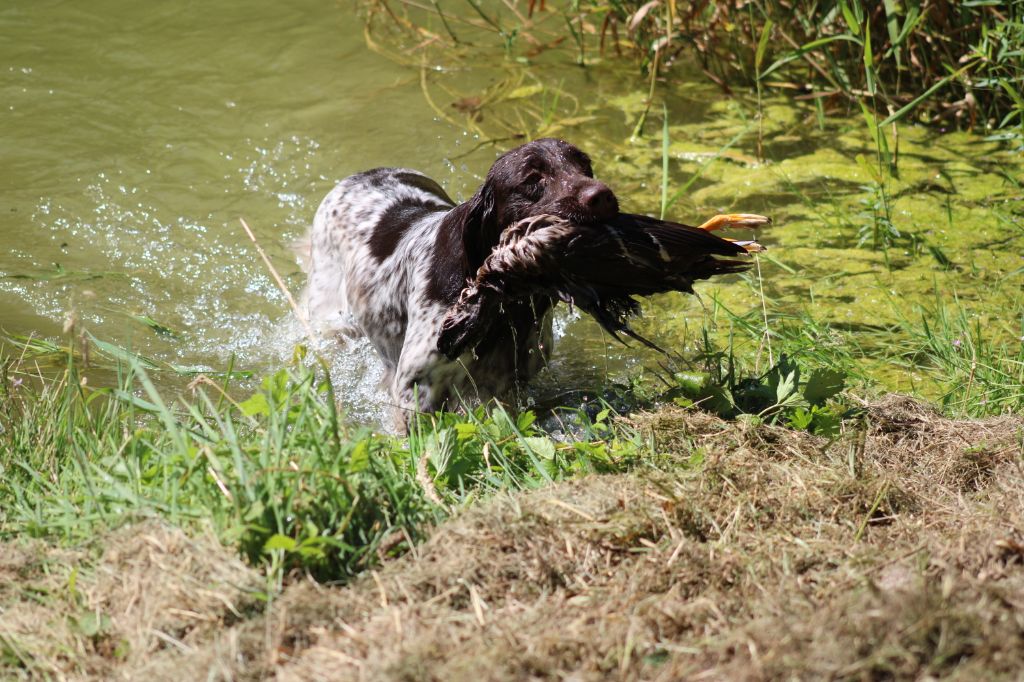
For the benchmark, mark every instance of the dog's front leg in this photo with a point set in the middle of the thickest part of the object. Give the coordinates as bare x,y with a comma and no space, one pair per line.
415,387
411,398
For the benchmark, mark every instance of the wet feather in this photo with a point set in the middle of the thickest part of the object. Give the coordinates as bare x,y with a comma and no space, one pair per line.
597,267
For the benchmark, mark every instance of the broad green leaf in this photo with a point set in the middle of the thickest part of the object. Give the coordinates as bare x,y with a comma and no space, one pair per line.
542,447
278,541
823,384
786,387
524,421
255,405
826,423
92,623
719,400
801,419
465,431
692,384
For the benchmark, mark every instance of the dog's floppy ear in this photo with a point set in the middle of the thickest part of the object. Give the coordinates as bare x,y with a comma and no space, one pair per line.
479,225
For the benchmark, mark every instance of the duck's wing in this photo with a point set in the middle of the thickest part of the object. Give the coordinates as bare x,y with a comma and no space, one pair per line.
597,267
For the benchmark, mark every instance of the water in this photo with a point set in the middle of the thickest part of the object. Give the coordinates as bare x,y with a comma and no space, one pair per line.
134,137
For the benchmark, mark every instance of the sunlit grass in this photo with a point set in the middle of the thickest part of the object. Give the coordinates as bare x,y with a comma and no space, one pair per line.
280,474
979,365
955,64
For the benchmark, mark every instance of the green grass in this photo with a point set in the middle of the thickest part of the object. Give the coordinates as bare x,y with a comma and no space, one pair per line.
279,474
94,436
971,364
981,363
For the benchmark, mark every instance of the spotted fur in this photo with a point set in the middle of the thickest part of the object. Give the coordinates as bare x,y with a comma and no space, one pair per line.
390,253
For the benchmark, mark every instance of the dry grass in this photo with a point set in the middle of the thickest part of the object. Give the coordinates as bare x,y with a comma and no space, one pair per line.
896,551
154,605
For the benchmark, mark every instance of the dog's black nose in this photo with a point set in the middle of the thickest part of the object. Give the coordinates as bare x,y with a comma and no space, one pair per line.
599,201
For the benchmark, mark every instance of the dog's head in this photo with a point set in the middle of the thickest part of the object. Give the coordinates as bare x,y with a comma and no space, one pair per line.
544,176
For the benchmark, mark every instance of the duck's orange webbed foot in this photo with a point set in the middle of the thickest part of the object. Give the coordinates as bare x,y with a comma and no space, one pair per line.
750,220
749,246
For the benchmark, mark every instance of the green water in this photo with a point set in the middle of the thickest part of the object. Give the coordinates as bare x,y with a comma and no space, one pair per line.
134,136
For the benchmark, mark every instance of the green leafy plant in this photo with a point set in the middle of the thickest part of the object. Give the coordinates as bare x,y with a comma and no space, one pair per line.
778,396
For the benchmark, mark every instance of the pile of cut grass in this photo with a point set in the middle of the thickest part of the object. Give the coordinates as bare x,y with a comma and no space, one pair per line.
766,553
132,605
752,552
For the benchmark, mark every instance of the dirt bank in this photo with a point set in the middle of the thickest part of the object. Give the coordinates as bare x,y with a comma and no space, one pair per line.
749,552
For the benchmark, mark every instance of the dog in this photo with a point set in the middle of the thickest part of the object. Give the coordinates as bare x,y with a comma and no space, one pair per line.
390,253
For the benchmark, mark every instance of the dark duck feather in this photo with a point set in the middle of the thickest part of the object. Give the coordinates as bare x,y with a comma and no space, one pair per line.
597,267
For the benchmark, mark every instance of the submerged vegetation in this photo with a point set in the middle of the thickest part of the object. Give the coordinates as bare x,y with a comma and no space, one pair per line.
955,64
